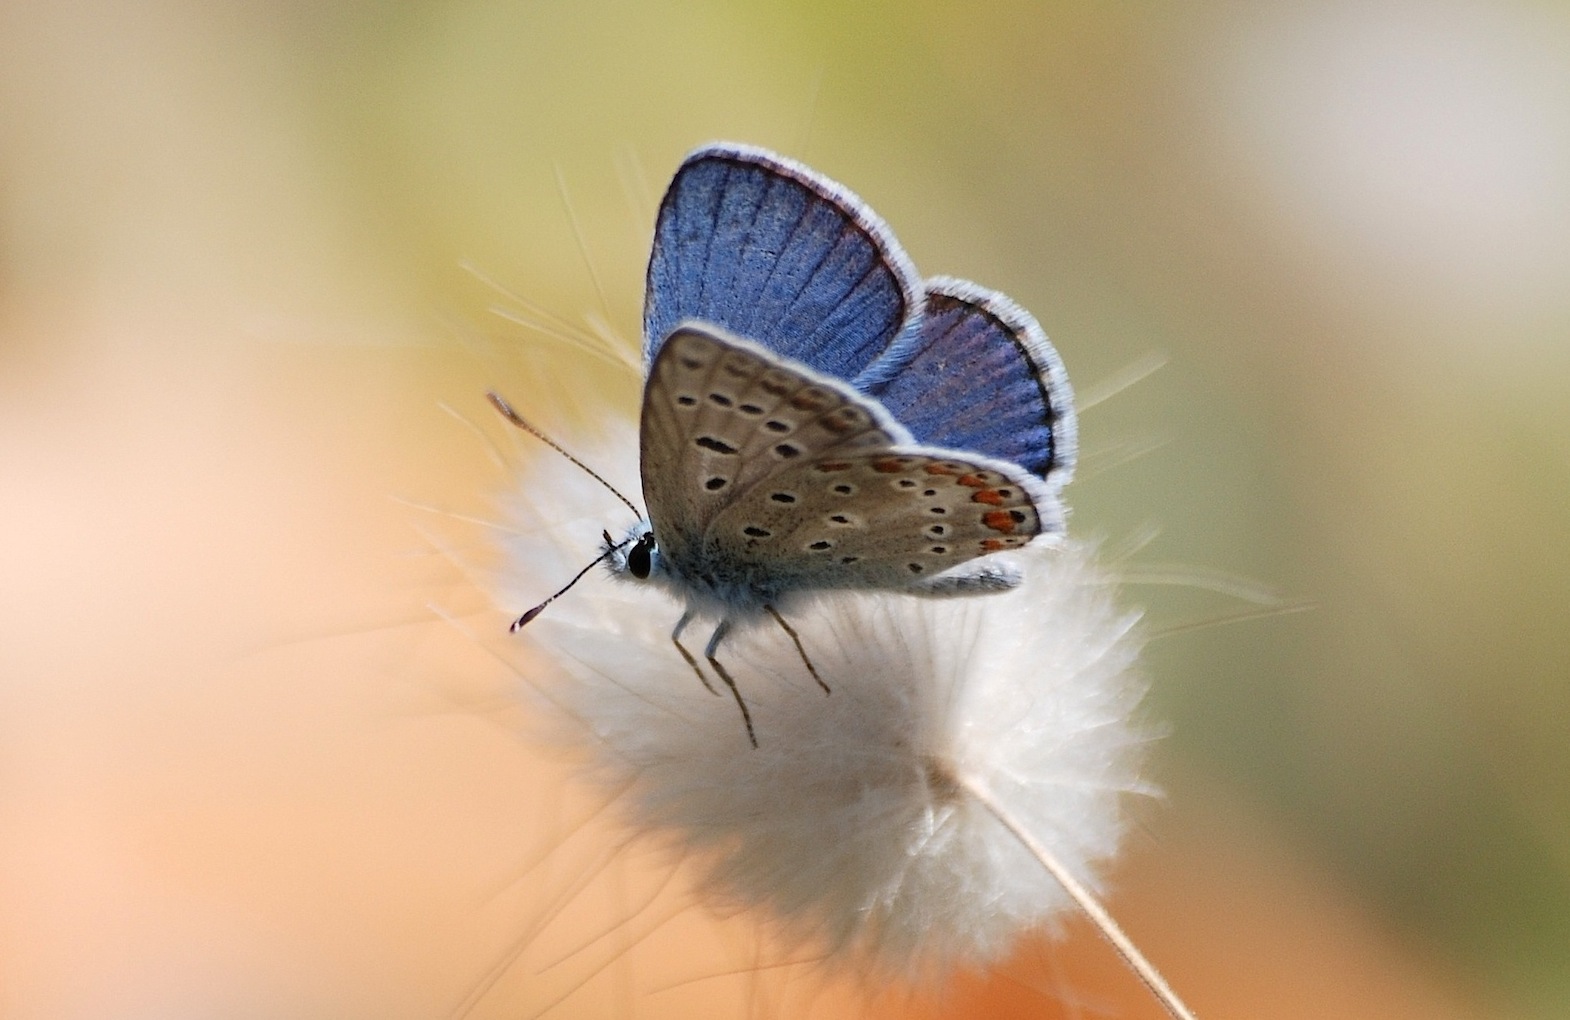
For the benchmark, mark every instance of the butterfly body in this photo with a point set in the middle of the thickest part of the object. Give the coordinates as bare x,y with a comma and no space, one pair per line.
818,417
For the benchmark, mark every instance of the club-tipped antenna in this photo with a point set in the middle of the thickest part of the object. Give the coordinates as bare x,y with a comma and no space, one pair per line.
537,610
513,416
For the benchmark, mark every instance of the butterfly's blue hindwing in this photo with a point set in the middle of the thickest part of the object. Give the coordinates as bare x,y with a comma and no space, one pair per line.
983,377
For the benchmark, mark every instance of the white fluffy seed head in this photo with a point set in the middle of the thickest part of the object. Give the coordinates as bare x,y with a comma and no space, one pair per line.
849,827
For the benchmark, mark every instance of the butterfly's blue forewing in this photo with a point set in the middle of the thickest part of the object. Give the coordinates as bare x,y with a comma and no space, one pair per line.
766,249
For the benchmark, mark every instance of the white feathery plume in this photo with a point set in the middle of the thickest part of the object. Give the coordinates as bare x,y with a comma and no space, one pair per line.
958,787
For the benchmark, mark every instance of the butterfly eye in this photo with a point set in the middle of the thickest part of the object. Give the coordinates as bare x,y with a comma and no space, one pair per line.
640,557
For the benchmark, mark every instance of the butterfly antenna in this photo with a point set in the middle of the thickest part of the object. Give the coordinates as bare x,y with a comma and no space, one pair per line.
537,610
513,416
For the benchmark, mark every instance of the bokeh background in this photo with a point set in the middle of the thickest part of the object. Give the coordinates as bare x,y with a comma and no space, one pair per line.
257,754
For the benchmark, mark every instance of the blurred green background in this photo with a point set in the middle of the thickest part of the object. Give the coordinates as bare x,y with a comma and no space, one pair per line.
1344,227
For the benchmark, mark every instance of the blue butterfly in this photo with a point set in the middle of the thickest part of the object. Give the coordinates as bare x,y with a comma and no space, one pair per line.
816,416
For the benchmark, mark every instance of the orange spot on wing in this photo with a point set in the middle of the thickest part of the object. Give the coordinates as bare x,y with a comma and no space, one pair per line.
941,469
992,544
998,520
973,481
888,467
991,497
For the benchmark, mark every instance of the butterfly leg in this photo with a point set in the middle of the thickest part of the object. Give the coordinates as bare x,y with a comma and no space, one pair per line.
796,639
681,625
708,653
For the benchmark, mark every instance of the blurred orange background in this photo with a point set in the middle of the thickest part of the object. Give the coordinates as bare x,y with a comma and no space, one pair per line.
257,757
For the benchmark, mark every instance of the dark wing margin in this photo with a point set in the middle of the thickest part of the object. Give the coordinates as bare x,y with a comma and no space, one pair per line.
771,251
982,376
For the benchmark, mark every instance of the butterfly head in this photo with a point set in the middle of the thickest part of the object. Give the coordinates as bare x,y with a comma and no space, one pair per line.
636,555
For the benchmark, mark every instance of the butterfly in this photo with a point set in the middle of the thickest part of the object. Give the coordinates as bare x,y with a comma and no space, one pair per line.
816,416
